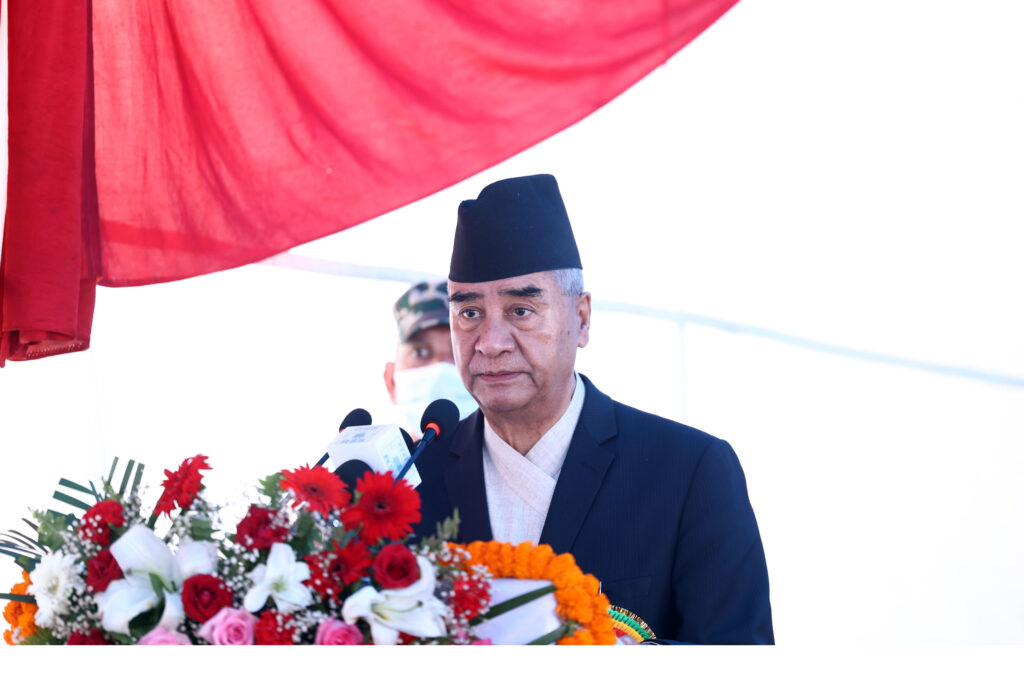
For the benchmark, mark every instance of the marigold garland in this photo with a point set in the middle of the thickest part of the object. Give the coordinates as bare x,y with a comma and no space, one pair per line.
576,593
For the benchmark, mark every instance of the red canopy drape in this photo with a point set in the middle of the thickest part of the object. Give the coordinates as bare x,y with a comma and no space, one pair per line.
227,131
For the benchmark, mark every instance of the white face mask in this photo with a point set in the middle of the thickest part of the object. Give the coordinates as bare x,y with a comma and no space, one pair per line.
417,388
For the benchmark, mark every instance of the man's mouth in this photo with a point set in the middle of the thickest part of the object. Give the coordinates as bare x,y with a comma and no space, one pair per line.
497,376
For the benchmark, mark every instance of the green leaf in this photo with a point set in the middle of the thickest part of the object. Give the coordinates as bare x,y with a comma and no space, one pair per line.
447,530
27,563
113,468
65,498
127,476
42,636
14,597
121,638
146,622
68,484
51,523
138,478
271,487
201,529
512,603
552,637
158,586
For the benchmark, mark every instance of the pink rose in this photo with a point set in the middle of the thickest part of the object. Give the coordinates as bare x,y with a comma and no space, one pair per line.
334,632
229,626
161,636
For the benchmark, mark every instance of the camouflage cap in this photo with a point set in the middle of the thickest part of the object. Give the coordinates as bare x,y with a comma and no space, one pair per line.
424,305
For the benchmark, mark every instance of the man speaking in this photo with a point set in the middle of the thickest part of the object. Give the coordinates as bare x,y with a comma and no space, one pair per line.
656,510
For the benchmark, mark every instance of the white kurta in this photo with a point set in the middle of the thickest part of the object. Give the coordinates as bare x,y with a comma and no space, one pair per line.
519,487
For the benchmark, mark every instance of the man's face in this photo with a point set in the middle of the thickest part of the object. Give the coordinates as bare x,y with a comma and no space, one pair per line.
515,343
426,347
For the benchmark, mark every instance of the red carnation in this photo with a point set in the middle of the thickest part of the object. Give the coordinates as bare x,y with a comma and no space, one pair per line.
384,510
332,570
181,487
257,530
317,487
203,595
102,570
94,637
395,567
96,522
472,595
274,628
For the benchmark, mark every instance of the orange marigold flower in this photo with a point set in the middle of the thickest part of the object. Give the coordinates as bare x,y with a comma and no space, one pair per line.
540,558
521,560
20,615
317,487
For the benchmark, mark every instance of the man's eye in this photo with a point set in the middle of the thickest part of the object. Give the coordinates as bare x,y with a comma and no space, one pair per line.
421,352
470,313
521,311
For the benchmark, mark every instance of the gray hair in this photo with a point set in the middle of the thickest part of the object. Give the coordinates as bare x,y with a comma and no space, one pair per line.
570,280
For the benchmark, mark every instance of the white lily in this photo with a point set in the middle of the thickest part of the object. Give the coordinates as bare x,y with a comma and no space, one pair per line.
142,555
413,609
280,578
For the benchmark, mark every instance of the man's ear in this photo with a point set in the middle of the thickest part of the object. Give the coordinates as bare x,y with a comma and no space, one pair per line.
583,312
389,379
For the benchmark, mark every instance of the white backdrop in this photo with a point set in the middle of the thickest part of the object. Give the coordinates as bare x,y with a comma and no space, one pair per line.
844,172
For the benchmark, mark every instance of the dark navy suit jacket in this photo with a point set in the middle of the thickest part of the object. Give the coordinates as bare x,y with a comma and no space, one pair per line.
656,510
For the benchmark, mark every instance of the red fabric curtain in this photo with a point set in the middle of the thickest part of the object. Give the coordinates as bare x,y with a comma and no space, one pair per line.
49,265
227,130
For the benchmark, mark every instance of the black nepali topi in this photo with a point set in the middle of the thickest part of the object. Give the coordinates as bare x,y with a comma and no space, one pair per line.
514,227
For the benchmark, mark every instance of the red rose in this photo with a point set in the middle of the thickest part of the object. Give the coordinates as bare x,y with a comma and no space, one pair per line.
257,530
96,522
102,570
94,637
274,628
203,596
395,567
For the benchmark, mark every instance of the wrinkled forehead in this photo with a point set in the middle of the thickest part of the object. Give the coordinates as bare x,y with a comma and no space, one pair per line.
541,285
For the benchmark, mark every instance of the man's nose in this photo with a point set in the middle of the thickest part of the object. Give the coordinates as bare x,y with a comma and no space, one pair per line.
495,337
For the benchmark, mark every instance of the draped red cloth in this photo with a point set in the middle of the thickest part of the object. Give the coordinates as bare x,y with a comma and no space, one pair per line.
227,131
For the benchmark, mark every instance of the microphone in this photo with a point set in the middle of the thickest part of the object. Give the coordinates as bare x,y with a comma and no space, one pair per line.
440,417
350,471
356,418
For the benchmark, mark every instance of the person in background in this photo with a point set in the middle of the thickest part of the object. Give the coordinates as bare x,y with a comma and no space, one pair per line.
423,369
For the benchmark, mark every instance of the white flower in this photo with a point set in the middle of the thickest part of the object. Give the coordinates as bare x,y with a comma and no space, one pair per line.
142,556
413,609
53,580
280,578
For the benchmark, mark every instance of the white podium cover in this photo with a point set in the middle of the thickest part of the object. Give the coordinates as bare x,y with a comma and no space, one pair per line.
526,622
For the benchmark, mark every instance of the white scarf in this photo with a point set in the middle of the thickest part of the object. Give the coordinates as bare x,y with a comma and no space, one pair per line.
519,487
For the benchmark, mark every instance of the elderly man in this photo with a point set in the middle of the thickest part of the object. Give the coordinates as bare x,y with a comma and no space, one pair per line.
423,368
656,510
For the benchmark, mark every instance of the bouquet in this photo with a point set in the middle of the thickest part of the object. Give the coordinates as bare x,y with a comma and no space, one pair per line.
310,563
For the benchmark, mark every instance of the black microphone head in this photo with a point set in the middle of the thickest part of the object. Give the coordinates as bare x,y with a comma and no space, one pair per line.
409,443
350,471
357,418
443,414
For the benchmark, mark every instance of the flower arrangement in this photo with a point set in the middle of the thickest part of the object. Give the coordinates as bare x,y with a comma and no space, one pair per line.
310,563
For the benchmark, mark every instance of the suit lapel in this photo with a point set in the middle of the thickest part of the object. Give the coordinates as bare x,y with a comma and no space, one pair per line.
464,479
583,471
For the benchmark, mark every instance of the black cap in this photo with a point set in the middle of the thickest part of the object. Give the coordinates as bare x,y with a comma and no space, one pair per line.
515,227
